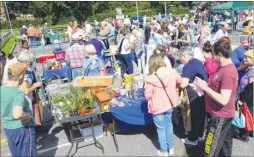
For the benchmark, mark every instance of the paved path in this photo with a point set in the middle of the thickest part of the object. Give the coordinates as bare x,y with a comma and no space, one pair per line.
3,34
141,141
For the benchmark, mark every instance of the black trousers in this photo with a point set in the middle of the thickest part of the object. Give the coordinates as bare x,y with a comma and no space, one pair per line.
234,26
198,115
218,141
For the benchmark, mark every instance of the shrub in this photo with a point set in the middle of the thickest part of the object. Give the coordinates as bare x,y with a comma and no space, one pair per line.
20,23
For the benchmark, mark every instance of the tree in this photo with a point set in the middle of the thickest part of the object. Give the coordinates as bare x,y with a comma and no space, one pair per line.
18,7
61,12
81,10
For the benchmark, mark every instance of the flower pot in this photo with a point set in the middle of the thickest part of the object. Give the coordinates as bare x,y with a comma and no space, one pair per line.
82,113
90,110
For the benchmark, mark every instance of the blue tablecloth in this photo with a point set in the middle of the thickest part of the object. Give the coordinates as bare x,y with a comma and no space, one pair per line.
135,112
64,72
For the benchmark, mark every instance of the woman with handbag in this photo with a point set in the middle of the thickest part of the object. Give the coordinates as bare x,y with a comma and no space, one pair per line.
160,91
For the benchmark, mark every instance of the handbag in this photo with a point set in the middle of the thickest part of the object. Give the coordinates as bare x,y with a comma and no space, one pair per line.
239,119
184,105
248,117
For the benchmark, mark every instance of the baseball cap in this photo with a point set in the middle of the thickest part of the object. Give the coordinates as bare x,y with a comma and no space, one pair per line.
249,53
17,70
77,36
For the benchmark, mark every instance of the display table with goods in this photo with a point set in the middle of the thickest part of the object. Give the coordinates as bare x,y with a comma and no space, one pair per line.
128,107
53,68
74,107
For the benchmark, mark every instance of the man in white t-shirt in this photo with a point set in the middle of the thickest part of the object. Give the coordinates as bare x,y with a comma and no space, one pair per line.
127,24
221,32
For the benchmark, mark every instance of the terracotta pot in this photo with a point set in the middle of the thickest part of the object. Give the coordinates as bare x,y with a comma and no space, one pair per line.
82,112
90,110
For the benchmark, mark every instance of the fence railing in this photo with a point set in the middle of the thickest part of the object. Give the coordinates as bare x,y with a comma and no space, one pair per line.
4,39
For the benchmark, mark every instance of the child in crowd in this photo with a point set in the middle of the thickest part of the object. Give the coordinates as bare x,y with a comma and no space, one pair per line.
160,91
210,63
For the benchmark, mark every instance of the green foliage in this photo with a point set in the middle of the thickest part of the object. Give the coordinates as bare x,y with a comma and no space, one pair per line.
8,46
19,23
55,12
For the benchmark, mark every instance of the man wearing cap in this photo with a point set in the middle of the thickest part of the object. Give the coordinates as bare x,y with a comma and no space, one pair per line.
75,54
17,119
23,30
221,32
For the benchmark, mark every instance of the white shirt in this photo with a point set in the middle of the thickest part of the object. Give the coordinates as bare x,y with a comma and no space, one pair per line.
88,27
69,30
125,46
219,34
127,21
198,54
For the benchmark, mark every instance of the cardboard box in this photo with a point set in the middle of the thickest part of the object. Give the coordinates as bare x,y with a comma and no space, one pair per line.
86,130
91,81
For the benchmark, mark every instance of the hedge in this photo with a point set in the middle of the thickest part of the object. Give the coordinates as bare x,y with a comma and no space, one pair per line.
20,23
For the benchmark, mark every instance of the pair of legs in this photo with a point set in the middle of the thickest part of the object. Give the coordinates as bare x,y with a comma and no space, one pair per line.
22,141
141,61
163,123
218,141
198,114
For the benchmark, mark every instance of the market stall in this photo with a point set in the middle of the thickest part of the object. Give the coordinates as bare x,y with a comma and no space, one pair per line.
87,98
232,9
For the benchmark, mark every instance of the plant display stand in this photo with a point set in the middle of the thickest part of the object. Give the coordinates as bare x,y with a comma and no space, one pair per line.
71,121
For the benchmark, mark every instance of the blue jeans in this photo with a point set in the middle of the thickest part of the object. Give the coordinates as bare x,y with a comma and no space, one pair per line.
77,72
22,141
163,122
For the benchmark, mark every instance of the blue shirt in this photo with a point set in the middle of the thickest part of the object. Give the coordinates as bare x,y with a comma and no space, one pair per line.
111,32
93,67
237,57
192,69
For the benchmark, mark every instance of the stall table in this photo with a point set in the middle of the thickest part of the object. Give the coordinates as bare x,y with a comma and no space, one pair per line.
77,120
134,113
60,72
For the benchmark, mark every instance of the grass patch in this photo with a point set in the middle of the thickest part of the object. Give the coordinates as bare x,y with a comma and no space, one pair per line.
8,45
16,30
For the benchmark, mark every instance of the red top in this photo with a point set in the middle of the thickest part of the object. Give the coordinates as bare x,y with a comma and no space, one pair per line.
225,78
211,66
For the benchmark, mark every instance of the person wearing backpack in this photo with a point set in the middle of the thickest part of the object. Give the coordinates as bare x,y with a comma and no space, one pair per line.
160,91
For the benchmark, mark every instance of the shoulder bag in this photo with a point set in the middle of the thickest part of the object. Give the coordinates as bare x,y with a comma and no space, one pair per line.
176,115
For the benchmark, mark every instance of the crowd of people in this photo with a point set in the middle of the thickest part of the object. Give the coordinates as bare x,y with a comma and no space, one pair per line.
173,55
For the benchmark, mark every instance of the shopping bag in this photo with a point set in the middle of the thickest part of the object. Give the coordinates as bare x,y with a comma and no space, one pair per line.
37,117
239,119
248,117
